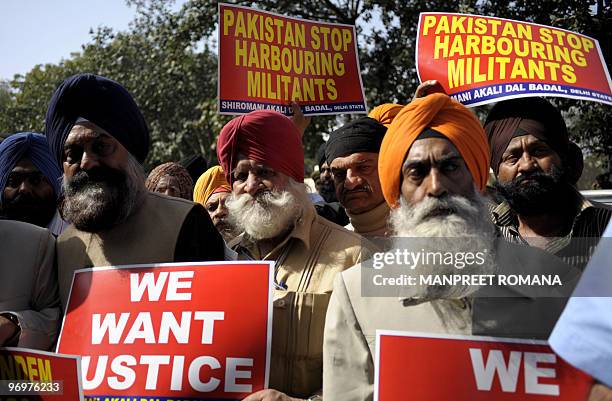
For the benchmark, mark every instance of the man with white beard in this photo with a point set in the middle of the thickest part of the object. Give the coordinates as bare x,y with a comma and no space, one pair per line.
262,155
433,167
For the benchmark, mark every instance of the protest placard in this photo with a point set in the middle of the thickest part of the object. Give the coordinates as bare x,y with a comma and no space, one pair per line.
430,367
480,59
171,331
44,376
267,60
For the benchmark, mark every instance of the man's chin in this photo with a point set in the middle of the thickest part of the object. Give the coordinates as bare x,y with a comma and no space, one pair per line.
358,206
93,213
532,202
98,221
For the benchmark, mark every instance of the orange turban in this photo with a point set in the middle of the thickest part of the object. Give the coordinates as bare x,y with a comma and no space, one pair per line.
212,181
385,113
448,117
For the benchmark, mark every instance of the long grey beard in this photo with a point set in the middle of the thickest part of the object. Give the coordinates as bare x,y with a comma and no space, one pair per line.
268,214
469,229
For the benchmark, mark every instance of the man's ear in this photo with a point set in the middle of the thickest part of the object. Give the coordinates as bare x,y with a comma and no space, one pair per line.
574,163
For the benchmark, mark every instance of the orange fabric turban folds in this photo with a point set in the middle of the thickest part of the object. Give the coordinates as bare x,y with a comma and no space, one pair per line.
385,113
212,181
448,117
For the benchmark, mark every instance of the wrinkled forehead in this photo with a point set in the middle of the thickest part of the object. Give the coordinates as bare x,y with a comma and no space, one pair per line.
168,180
431,149
85,131
25,165
526,139
217,197
354,159
243,163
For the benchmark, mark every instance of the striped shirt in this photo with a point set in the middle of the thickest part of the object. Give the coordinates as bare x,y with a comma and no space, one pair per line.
577,246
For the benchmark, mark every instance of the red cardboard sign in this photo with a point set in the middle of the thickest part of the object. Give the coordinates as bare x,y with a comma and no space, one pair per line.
480,59
178,330
267,60
44,376
427,367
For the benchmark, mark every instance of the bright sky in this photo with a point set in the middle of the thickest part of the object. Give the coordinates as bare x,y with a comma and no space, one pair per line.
46,31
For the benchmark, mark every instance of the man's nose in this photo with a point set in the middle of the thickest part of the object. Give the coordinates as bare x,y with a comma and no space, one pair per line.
436,186
527,164
89,160
253,184
352,180
25,187
220,212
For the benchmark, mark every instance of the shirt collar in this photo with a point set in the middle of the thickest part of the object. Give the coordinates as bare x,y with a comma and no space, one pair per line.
503,215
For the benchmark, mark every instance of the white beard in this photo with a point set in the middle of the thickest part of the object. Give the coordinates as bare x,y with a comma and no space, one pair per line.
268,214
468,228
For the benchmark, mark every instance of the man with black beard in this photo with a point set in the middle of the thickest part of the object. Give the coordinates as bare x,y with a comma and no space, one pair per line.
537,168
98,135
30,182
433,167
262,155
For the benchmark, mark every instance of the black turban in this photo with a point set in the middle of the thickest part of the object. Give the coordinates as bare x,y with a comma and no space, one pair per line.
361,135
320,155
196,165
524,116
102,102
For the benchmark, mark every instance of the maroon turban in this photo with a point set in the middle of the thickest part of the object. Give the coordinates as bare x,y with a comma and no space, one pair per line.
265,136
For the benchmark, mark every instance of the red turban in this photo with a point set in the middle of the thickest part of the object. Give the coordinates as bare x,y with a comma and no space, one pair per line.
445,115
265,136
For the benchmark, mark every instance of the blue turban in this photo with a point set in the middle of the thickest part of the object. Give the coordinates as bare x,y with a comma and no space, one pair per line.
101,101
31,145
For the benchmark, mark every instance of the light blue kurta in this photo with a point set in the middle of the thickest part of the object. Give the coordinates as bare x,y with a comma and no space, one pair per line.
583,334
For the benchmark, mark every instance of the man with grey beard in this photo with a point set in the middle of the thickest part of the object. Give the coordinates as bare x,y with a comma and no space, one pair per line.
262,155
433,167
99,137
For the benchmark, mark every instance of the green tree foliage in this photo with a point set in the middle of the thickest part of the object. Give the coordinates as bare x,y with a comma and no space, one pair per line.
168,61
163,60
589,123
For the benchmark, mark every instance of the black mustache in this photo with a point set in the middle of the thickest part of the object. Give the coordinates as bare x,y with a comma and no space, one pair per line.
538,176
100,174
363,188
23,200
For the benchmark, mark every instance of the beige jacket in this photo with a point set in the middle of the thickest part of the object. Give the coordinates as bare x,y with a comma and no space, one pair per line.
307,262
28,284
350,332
352,320
148,236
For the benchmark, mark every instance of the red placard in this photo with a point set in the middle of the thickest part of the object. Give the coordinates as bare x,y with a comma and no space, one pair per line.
178,330
267,60
427,367
480,59
43,376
